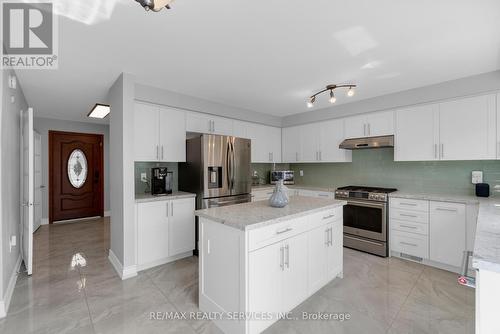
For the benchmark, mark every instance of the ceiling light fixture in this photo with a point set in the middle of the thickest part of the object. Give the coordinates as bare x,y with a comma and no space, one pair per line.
155,5
331,88
99,111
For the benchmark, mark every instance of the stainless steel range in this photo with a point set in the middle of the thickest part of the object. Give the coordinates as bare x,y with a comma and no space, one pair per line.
366,218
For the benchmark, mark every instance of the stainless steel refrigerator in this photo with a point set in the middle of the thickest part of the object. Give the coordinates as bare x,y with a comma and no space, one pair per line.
217,169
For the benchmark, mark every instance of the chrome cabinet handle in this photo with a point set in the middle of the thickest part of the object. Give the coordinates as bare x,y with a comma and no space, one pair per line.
408,244
323,195
287,261
157,152
167,209
364,129
328,217
407,215
407,226
284,231
172,206
320,157
369,129
327,237
161,152
282,266
435,151
442,150
272,156
213,126
296,156
409,204
331,236
447,209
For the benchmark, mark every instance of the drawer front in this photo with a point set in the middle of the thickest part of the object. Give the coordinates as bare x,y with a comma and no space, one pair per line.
406,226
410,243
264,236
410,216
409,204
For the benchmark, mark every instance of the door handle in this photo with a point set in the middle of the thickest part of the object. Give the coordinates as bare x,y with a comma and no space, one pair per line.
167,209
172,210
328,217
446,209
442,150
284,231
157,152
407,215
287,261
369,129
320,158
409,204
297,156
327,237
435,151
407,226
161,152
282,260
331,236
407,244
364,129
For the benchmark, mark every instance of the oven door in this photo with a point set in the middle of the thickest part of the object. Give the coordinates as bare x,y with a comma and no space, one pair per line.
366,219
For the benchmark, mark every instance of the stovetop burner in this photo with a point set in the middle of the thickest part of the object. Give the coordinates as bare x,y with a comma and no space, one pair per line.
366,193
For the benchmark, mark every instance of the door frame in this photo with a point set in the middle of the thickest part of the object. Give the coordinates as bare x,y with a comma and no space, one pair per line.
51,169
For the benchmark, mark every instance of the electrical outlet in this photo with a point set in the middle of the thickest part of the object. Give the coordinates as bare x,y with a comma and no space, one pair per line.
301,173
477,176
12,242
144,177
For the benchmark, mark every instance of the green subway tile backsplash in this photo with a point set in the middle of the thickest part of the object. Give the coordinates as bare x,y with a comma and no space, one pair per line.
376,167
145,167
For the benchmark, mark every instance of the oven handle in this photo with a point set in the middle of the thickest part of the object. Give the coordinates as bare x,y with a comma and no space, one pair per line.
377,205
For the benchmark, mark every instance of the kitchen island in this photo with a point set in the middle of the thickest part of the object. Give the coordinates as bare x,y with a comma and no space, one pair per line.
257,262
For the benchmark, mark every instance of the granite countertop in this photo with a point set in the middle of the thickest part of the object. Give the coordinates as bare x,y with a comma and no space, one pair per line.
292,186
143,198
487,239
248,216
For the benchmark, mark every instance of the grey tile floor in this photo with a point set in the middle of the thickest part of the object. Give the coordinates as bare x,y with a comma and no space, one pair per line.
74,289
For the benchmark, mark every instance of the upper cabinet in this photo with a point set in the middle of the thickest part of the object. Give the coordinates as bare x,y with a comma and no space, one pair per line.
370,125
417,134
467,128
205,123
498,126
463,129
159,133
266,142
315,142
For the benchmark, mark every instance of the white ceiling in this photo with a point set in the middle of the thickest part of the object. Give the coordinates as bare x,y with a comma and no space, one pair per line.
266,56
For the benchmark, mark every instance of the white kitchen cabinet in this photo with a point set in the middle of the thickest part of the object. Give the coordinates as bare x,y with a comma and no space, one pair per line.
309,137
292,145
498,125
159,133
181,226
206,123
331,134
370,125
447,226
417,133
266,143
295,288
240,129
467,128
152,232
165,231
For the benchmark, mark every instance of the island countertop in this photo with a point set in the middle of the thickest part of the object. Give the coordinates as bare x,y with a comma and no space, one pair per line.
248,216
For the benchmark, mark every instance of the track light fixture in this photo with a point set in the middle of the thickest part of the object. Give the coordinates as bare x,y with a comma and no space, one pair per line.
331,88
155,5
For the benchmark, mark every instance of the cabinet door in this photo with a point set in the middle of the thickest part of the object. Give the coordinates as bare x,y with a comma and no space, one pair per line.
447,232
146,132
240,129
417,134
265,291
331,134
198,122
318,244
222,126
335,250
172,135
498,125
380,123
295,289
356,127
152,231
467,128
309,137
274,137
291,144
181,226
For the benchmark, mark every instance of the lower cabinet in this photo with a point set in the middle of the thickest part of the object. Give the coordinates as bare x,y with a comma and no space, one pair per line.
165,230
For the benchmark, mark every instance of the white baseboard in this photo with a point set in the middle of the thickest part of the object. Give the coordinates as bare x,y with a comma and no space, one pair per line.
141,267
124,273
45,221
107,213
4,304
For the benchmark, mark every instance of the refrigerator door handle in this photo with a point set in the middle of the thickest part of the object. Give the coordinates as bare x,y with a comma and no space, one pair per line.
228,164
232,165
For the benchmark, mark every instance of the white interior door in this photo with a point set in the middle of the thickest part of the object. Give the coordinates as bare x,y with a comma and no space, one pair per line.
38,182
28,188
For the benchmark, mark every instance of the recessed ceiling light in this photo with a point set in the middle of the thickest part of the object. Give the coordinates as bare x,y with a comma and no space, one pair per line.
99,111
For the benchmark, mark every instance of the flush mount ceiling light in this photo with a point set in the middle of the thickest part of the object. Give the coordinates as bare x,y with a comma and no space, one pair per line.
155,5
331,88
99,111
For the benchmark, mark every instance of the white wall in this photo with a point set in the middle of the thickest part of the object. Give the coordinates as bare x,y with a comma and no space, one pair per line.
121,133
476,84
43,125
177,100
10,203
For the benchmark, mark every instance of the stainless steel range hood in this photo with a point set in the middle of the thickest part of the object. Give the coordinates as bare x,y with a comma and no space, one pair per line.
367,142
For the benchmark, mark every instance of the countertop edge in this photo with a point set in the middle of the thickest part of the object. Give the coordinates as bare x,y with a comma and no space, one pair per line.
150,198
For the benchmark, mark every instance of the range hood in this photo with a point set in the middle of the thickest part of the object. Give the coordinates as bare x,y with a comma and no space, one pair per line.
367,142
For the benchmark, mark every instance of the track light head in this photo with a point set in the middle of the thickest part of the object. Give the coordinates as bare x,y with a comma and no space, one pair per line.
310,104
333,99
350,92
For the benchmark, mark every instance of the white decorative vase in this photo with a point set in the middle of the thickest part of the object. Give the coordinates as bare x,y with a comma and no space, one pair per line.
279,198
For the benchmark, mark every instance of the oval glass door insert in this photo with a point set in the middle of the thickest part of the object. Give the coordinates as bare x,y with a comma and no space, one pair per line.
77,168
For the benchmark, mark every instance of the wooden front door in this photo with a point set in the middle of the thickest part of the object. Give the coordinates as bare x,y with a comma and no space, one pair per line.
75,175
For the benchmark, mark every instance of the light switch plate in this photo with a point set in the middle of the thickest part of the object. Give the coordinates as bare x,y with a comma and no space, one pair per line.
477,176
144,177
301,173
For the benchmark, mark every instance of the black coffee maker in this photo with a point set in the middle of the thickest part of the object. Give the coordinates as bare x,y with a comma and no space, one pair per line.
161,181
